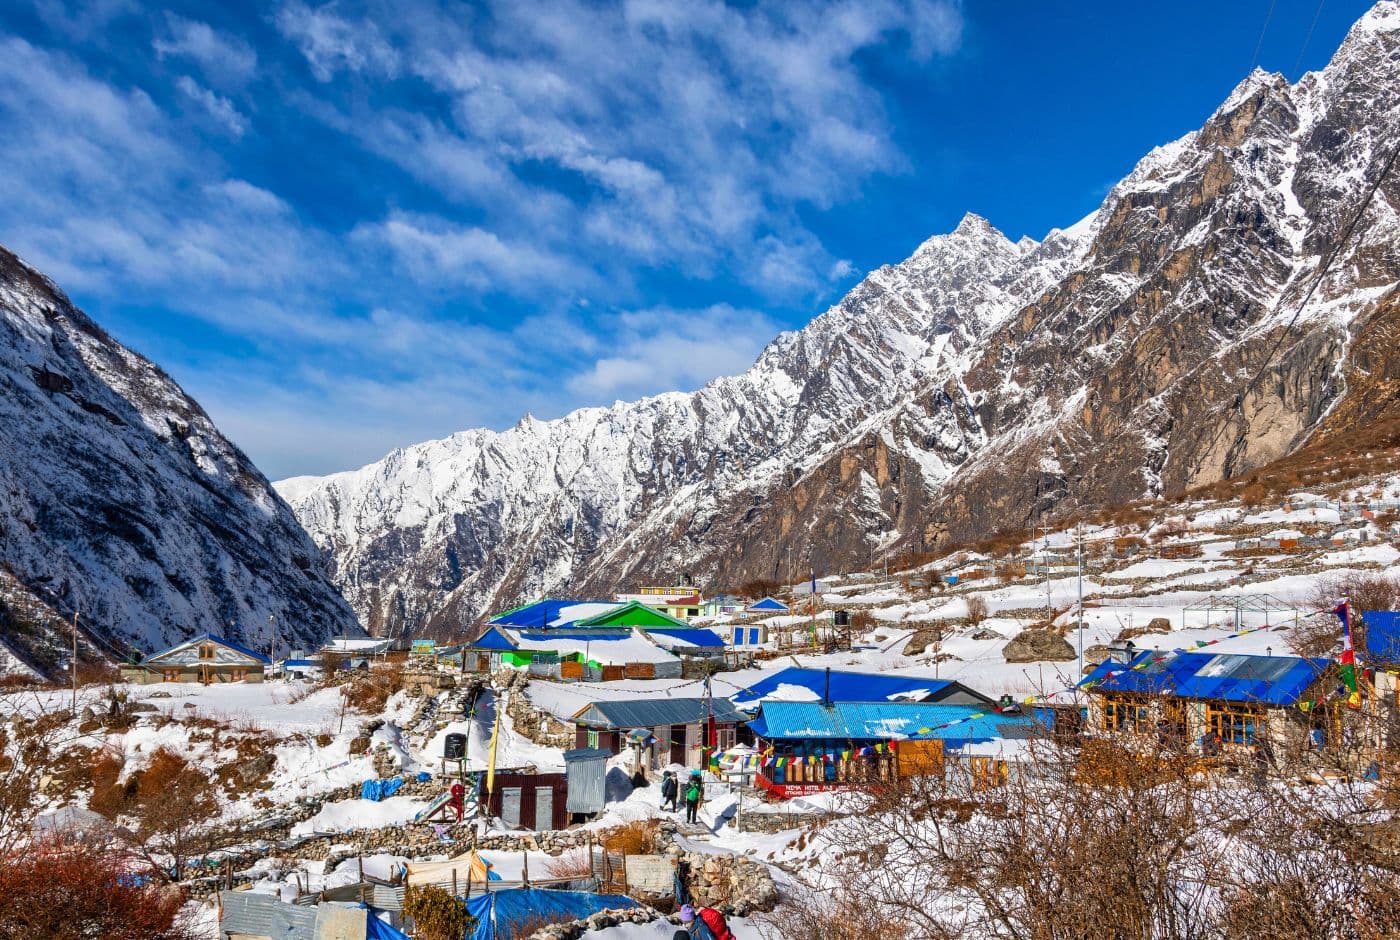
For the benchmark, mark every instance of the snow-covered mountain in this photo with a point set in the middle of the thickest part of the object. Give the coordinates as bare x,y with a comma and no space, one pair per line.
120,500
1172,338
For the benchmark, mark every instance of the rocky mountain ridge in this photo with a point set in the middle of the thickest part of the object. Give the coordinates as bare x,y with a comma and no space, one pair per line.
120,501
1179,335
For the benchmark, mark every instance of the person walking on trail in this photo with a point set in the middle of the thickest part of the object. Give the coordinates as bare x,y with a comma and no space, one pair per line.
705,924
670,788
694,793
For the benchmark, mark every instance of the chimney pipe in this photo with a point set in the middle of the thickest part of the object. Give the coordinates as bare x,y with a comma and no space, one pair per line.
826,692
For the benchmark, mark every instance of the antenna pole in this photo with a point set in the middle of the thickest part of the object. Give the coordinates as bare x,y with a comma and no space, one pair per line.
1079,544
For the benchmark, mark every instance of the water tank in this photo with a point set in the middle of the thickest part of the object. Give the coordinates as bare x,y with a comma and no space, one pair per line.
843,618
454,747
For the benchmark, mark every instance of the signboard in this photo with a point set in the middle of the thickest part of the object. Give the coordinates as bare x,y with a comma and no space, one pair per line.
424,647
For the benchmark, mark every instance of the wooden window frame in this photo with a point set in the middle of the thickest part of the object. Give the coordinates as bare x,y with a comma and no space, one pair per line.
1126,713
237,674
207,652
1230,721
170,674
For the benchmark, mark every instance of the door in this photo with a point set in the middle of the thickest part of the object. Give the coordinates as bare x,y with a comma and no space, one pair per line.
510,807
544,808
692,745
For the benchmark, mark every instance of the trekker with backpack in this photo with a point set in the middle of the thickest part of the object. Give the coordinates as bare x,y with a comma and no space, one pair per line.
705,924
694,793
669,789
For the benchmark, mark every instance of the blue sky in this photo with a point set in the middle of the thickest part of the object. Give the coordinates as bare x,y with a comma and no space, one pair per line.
353,226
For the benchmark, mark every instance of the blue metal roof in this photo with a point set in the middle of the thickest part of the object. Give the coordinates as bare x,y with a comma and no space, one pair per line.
216,639
581,636
695,637
300,662
886,721
845,686
769,604
493,639
538,615
1382,634
1230,677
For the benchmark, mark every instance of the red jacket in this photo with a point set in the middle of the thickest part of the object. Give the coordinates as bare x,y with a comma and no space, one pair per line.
715,921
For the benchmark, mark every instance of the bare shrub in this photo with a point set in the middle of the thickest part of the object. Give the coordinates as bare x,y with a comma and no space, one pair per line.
976,609
171,810
634,838
73,890
370,691
574,863
437,914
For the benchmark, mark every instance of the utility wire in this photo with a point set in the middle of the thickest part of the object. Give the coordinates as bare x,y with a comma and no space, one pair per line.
1308,38
1260,44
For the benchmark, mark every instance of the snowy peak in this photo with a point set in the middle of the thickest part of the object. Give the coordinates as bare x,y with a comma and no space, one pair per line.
973,386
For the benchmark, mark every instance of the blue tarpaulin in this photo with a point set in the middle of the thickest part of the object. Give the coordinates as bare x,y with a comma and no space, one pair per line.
500,913
1382,635
376,929
1229,677
377,790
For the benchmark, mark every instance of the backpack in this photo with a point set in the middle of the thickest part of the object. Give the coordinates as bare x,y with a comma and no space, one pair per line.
716,922
692,793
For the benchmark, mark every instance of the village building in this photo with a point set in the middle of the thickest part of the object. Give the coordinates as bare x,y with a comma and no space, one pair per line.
767,607
681,601
674,727
722,605
1232,702
797,684
207,659
809,747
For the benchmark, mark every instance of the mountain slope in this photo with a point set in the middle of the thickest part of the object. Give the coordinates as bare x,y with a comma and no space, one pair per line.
120,500
970,388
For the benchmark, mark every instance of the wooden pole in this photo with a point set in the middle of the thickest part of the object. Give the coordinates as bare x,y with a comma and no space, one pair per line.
454,882
75,663
525,868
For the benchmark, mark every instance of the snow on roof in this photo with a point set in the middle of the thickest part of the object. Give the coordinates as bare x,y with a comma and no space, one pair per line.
211,638
353,644
687,639
613,649
796,684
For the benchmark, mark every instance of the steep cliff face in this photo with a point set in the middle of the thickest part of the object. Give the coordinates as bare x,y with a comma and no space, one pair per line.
1172,338
120,500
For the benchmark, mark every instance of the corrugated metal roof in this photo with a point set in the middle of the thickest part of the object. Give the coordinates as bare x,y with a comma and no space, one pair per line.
209,637
856,721
266,915
768,604
1382,634
1230,677
493,639
845,686
691,637
542,614
654,712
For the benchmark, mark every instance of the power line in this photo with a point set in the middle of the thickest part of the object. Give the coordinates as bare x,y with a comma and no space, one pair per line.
1260,44
1308,38
1322,270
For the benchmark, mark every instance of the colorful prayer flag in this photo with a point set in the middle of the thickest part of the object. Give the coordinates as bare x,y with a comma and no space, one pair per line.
1348,657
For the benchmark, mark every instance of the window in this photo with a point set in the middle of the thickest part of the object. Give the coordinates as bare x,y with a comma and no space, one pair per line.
738,636
1236,724
1121,713
692,611
170,675
724,738
592,737
988,773
237,675
206,651
753,636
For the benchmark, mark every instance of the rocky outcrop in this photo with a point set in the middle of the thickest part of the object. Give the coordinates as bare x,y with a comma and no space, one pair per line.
121,501
1033,646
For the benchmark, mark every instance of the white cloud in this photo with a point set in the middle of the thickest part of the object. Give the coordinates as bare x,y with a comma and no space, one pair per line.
224,59
331,43
662,348
215,105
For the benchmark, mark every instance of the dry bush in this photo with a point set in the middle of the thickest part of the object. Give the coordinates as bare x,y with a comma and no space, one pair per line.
1255,494
437,914
73,891
758,588
634,838
574,863
1010,571
842,914
370,691
171,810
976,609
